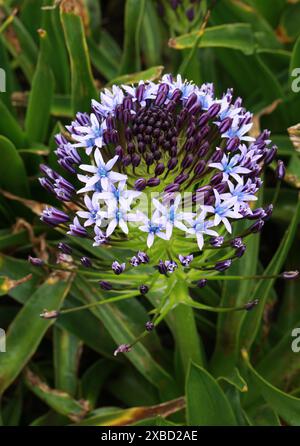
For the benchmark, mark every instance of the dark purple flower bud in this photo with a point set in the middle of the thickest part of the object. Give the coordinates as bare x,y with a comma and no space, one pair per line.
157,155
140,92
257,226
162,267
35,261
280,170
225,125
221,187
268,212
67,164
257,213
135,159
76,230
149,159
201,283
135,261
290,275
149,326
192,99
143,257
162,94
203,149
127,103
86,262
46,184
152,182
54,217
118,268
126,160
140,184
250,305
66,249
185,260
176,95
159,169
237,242
174,187
144,289
105,285
214,110
119,151
223,265
200,167
217,242
240,251
64,184
171,265
123,348
190,13
233,144
49,172
187,161
172,163
181,178
217,156
204,118
270,155
216,179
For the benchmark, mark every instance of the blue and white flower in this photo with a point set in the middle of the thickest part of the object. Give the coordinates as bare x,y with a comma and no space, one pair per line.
102,171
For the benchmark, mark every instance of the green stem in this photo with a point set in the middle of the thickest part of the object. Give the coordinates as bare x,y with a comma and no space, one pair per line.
99,302
183,326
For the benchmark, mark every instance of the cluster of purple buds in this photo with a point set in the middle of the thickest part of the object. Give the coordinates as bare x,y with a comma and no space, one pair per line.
178,13
167,266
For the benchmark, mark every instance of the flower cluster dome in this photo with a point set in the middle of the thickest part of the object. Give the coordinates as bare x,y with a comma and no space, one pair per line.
164,140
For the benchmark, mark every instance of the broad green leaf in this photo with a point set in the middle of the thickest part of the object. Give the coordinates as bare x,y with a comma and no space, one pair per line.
295,62
289,22
94,379
8,239
151,38
40,98
15,269
235,293
10,128
131,388
28,328
151,74
22,47
105,55
82,82
66,352
263,416
12,410
112,416
14,178
56,51
58,400
251,323
134,13
232,11
280,356
286,406
50,418
237,36
206,402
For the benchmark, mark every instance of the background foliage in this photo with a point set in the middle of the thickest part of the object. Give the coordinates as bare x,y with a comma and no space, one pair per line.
56,59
